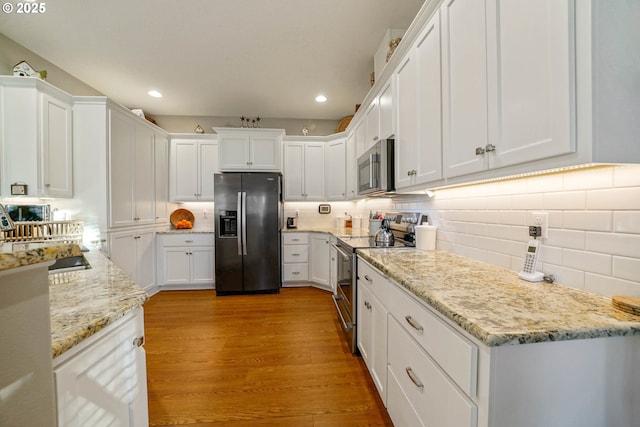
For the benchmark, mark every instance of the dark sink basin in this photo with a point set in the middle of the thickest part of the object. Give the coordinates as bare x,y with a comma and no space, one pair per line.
78,262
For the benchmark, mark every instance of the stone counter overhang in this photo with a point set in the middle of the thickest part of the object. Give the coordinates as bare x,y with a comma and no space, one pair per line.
496,307
83,302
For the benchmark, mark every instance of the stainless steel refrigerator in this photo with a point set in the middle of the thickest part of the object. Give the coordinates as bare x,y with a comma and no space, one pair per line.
248,209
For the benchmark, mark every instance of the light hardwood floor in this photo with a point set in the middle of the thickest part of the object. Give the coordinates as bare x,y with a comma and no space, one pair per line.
254,360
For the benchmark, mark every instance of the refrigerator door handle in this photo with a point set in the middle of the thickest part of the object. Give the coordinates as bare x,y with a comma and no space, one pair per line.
244,223
241,225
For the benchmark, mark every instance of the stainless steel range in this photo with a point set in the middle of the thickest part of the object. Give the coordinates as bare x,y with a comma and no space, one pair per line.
402,225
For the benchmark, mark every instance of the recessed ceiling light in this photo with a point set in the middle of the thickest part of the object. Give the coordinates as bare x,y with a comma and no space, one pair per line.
321,98
155,94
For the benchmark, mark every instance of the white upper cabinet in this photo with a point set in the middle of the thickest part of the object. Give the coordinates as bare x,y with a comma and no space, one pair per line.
193,162
379,119
304,171
507,83
351,166
132,170
418,143
249,149
162,178
335,174
36,137
386,112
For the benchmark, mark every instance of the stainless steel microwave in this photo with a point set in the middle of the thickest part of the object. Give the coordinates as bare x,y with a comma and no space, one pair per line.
29,212
375,169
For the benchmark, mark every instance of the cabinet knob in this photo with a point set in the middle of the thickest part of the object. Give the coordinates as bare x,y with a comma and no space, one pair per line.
490,147
138,341
479,151
375,138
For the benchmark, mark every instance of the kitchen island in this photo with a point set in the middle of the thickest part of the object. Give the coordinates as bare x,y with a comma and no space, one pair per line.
452,341
83,327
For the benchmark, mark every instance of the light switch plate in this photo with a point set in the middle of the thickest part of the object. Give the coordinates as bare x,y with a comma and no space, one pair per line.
18,189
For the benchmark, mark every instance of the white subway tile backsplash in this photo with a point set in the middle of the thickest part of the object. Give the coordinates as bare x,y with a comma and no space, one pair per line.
545,183
512,217
626,176
615,244
600,177
587,220
614,199
626,222
550,254
626,268
610,286
564,275
587,261
594,225
565,200
572,239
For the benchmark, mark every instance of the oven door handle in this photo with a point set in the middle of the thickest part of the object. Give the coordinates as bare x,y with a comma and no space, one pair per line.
347,326
345,255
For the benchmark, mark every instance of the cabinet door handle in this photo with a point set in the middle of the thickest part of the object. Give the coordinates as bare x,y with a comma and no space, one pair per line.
188,241
413,378
295,254
295,240
490,147
375,138
295,273
138,341
367,278
415,325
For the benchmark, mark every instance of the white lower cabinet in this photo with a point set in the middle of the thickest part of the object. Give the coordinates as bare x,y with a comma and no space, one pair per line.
134,252
424,370
372,324
186,261
319,265
440,375
306,259
295,258
103,380
435,399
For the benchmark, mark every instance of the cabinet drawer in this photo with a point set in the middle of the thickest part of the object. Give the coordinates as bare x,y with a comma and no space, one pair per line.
371,278
295,238
295,272
455,354
295,253
187,239
437,401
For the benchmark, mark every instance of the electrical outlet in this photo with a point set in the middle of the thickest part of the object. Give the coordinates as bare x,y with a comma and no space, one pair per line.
540,219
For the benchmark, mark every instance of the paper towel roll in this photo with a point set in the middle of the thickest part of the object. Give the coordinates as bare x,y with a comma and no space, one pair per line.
374,226
426,237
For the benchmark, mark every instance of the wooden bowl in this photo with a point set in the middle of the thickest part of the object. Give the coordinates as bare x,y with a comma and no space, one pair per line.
180,214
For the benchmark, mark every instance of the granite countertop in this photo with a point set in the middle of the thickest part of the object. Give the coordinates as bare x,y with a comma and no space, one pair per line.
185,231
14,255
85,301
336,231
496,307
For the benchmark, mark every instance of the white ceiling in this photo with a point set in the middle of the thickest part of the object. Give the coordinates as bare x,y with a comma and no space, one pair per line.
267,58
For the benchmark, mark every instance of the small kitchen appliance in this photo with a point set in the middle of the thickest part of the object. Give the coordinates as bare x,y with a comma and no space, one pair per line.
292,222
375,170
29,212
